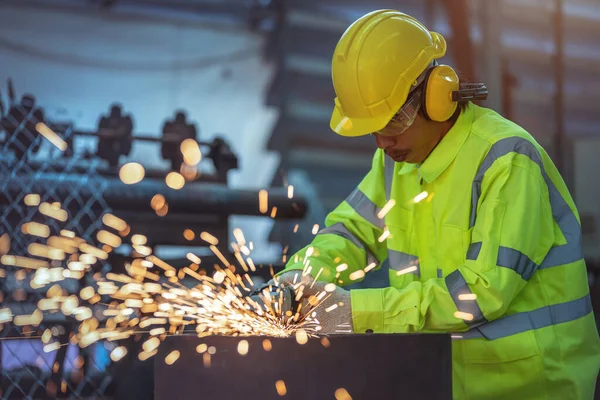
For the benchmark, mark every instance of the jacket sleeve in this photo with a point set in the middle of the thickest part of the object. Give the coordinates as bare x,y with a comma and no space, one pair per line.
350,235
513,232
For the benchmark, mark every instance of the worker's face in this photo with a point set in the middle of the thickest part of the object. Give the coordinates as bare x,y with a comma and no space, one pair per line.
412,145
409,136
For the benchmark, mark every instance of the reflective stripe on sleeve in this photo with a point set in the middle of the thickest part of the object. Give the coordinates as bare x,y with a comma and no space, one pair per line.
340,229
365,207
536,319
457,286
561,212
508,258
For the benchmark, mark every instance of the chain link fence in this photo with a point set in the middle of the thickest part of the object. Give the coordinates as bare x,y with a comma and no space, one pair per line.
31,164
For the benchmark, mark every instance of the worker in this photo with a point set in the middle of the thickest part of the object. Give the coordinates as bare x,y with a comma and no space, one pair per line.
481,235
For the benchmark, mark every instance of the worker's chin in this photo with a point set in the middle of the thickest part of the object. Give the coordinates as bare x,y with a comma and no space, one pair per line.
399,156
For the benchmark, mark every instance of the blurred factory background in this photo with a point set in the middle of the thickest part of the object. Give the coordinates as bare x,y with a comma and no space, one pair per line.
127,81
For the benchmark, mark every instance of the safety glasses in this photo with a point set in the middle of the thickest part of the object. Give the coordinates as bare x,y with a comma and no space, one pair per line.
405,117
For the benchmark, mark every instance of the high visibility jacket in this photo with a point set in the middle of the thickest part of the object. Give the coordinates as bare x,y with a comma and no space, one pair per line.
484,242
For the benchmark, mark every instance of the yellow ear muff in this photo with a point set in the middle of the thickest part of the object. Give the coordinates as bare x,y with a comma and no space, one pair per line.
441,82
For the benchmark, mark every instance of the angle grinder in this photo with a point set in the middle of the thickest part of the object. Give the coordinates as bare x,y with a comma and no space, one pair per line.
284,296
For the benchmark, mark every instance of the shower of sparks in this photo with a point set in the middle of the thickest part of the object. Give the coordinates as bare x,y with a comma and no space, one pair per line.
153,300
152,297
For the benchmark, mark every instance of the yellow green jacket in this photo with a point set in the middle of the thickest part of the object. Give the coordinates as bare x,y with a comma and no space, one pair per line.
483,242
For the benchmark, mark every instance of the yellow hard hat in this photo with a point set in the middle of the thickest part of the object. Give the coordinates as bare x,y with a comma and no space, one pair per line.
376,63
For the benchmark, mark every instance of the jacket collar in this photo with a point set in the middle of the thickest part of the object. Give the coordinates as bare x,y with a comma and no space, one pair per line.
447,149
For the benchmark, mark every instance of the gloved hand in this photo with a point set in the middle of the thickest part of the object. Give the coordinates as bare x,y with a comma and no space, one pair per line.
281,293
292,278
331,303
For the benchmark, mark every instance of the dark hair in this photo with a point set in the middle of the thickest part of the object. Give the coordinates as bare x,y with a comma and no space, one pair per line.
462,106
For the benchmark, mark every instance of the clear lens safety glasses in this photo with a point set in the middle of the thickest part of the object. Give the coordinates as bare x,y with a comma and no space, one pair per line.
405,117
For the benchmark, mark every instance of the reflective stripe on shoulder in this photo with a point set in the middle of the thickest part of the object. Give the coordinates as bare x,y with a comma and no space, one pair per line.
340,229
526,321
365,207
561,212
463,297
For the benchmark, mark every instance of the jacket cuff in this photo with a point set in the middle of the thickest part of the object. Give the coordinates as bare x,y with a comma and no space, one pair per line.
367,310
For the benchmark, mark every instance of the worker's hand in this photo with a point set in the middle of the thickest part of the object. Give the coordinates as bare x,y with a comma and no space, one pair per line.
332,306
293,278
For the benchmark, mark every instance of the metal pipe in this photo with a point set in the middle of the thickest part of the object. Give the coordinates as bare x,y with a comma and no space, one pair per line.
194,198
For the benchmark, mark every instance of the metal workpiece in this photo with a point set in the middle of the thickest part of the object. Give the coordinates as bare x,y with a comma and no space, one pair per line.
373,366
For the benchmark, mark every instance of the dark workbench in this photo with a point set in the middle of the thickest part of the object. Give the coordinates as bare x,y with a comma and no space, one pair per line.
367,366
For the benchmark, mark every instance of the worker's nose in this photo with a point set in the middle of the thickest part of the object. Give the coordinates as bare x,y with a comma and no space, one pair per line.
383,142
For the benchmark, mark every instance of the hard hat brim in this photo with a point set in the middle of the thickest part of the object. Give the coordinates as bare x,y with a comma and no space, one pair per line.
354,127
